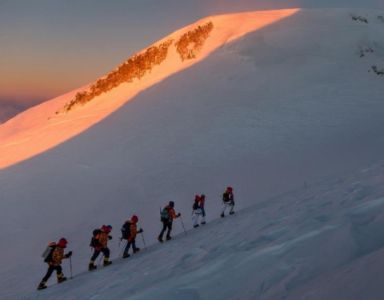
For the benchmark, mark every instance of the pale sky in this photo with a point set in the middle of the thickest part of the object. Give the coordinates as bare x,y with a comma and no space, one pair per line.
49,47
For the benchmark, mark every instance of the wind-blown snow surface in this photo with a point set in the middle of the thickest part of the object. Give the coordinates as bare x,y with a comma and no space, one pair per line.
322,242
282,107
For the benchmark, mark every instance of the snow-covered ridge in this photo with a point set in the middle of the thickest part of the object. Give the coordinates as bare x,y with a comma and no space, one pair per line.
42,127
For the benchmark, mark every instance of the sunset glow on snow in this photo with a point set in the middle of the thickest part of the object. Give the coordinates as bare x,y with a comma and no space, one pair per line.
41,128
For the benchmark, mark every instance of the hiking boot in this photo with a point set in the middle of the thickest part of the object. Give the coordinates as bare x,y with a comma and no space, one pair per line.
42,286
195,226
136,250
107,263
231,213
168,238
126,255
91,267
61,279
160,239
203,223
222,215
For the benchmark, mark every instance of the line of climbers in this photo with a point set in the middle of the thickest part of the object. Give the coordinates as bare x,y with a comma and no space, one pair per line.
54,253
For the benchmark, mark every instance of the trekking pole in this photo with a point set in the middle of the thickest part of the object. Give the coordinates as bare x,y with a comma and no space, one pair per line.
182,224
142,236
70,266
99,259
123,248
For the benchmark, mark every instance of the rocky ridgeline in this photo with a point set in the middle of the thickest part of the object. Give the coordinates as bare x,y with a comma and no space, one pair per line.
369,50
378,71
360,19
188,46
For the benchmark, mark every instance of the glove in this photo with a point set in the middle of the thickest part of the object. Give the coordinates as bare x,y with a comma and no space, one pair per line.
109,237
141,230
69,254
179,214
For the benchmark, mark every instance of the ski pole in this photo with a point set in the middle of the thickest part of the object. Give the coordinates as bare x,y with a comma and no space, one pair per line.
182,224
142,236
70,266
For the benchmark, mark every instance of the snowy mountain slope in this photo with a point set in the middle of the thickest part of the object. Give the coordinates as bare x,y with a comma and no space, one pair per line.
321,242
278,109
46,126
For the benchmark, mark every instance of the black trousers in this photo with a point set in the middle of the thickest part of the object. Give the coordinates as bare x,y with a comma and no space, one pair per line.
59,271
97,252
133,243
166,225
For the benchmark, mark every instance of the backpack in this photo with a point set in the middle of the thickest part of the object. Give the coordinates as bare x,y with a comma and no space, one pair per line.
96,232
126,230
164,214
227,197
47,254
94,241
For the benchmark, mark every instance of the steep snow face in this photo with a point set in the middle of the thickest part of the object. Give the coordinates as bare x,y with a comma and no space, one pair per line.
42,128
321,242
281,107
